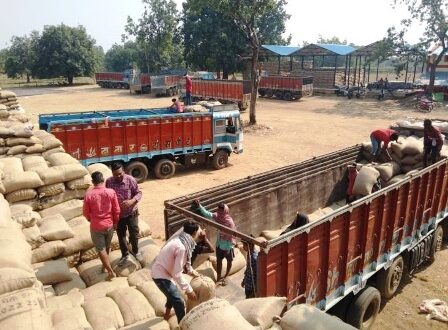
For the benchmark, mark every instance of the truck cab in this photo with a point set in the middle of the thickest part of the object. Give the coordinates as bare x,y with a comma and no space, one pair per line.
227,130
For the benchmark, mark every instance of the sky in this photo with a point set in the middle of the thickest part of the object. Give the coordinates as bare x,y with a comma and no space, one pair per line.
358,21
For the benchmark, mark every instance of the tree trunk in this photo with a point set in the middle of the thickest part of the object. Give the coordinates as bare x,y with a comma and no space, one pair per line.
254,86
225,74
218,74
70,79
432,78
28,78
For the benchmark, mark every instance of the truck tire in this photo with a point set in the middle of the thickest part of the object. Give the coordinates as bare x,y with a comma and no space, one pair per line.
279,95
138,170
389,280
364,308
287,96
261,92
220,159
269,93
436,243
164,169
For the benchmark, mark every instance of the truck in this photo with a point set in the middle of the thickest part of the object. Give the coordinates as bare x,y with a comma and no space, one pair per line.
286,88
344,262
140,83
225,91
113,79
149,138
165,84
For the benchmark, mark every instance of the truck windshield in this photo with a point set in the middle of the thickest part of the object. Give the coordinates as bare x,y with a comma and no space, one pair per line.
231,125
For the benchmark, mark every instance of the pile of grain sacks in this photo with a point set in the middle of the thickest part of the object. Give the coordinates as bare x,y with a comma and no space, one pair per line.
9,102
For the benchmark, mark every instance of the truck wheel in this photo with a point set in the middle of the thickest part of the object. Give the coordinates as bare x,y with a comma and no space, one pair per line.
287,96
220,159
262,92
279,95
164,169
436,243
389,279
269,93
138,170
364,308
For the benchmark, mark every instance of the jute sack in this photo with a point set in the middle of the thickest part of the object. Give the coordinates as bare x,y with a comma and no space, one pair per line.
395,179
70,319
50,175
99,167
35,149
412,146
12,279
47,251
156,323
21,195
73,260
71,171
16,150
388,170
53,228
128,267
15,141
144,229
91,272
33,236
206,269
132,304
49,291
51,151
24,217
204,288
142,275
365,180
47,202
23,180
15,251
397,148
213,314
68,210
75,283
270,234
52,271
51,190
61,158
82,183
260,312
154,296
81,241
100,290
78,221
6,132
307,317
409,160
68,301
5,211
238,263
149,252
24,309
103,314
50,142
11,165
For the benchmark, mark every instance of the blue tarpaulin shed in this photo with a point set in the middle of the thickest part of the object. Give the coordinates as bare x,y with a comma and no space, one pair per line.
276,50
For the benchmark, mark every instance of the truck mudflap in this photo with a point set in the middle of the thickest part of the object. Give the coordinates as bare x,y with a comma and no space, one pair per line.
420,252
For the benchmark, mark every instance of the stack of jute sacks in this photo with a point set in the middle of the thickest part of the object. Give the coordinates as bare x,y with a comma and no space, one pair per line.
9,102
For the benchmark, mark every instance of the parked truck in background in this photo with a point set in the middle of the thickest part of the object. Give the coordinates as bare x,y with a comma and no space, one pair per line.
285,88
346,261
113,79
149,138
140,83
165,84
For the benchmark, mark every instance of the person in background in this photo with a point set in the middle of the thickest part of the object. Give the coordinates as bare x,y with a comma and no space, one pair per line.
249,282
176,106
300,220
383,136
224,242
188,90
102,210
129,195
351,177
433,142
168,266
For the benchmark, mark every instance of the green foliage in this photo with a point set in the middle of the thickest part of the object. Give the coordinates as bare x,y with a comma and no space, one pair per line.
99,58
65,51
21,56
121,57
157,36
3,55
333,40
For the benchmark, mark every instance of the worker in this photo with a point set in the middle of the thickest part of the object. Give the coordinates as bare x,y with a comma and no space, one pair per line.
203,245
433,142
102,210
224,242
249,282
300,220
188,89
383,136
129,195
176,106
351,177
168,266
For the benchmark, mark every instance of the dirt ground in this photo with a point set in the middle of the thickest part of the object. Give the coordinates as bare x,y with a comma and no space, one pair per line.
288,132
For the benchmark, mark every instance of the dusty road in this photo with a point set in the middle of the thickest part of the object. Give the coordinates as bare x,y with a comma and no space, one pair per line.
288,132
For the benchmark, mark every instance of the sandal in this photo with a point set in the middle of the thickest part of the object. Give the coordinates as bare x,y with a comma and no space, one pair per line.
223,282
110,276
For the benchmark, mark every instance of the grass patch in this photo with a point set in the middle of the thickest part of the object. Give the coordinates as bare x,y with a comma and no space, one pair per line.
6,82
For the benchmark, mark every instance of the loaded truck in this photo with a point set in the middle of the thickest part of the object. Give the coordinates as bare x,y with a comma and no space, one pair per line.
139,83
285,88
346,261
113,79
225,91
149,138
165,85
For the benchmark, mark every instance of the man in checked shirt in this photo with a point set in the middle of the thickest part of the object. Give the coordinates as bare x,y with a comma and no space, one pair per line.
128,195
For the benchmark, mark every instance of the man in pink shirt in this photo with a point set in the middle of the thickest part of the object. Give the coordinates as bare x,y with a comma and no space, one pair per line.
176,106
102,210
169,265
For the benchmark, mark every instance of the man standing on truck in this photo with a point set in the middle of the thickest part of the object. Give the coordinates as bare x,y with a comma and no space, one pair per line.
382,136
128,195
169,265
188,89
433,142
249,282
176,106
102,210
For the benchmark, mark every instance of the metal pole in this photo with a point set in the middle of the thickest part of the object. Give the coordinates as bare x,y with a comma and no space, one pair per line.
359,71
302,61
345,71
364,71
407,70
356,68
349,65
335,68
278,65
415,70
377,68
313,62
290,64
368,74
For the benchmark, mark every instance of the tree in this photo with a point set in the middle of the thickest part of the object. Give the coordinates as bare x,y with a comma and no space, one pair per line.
155,34
21,56
261,21
99,58
65,51
433,16
3,55
121,57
